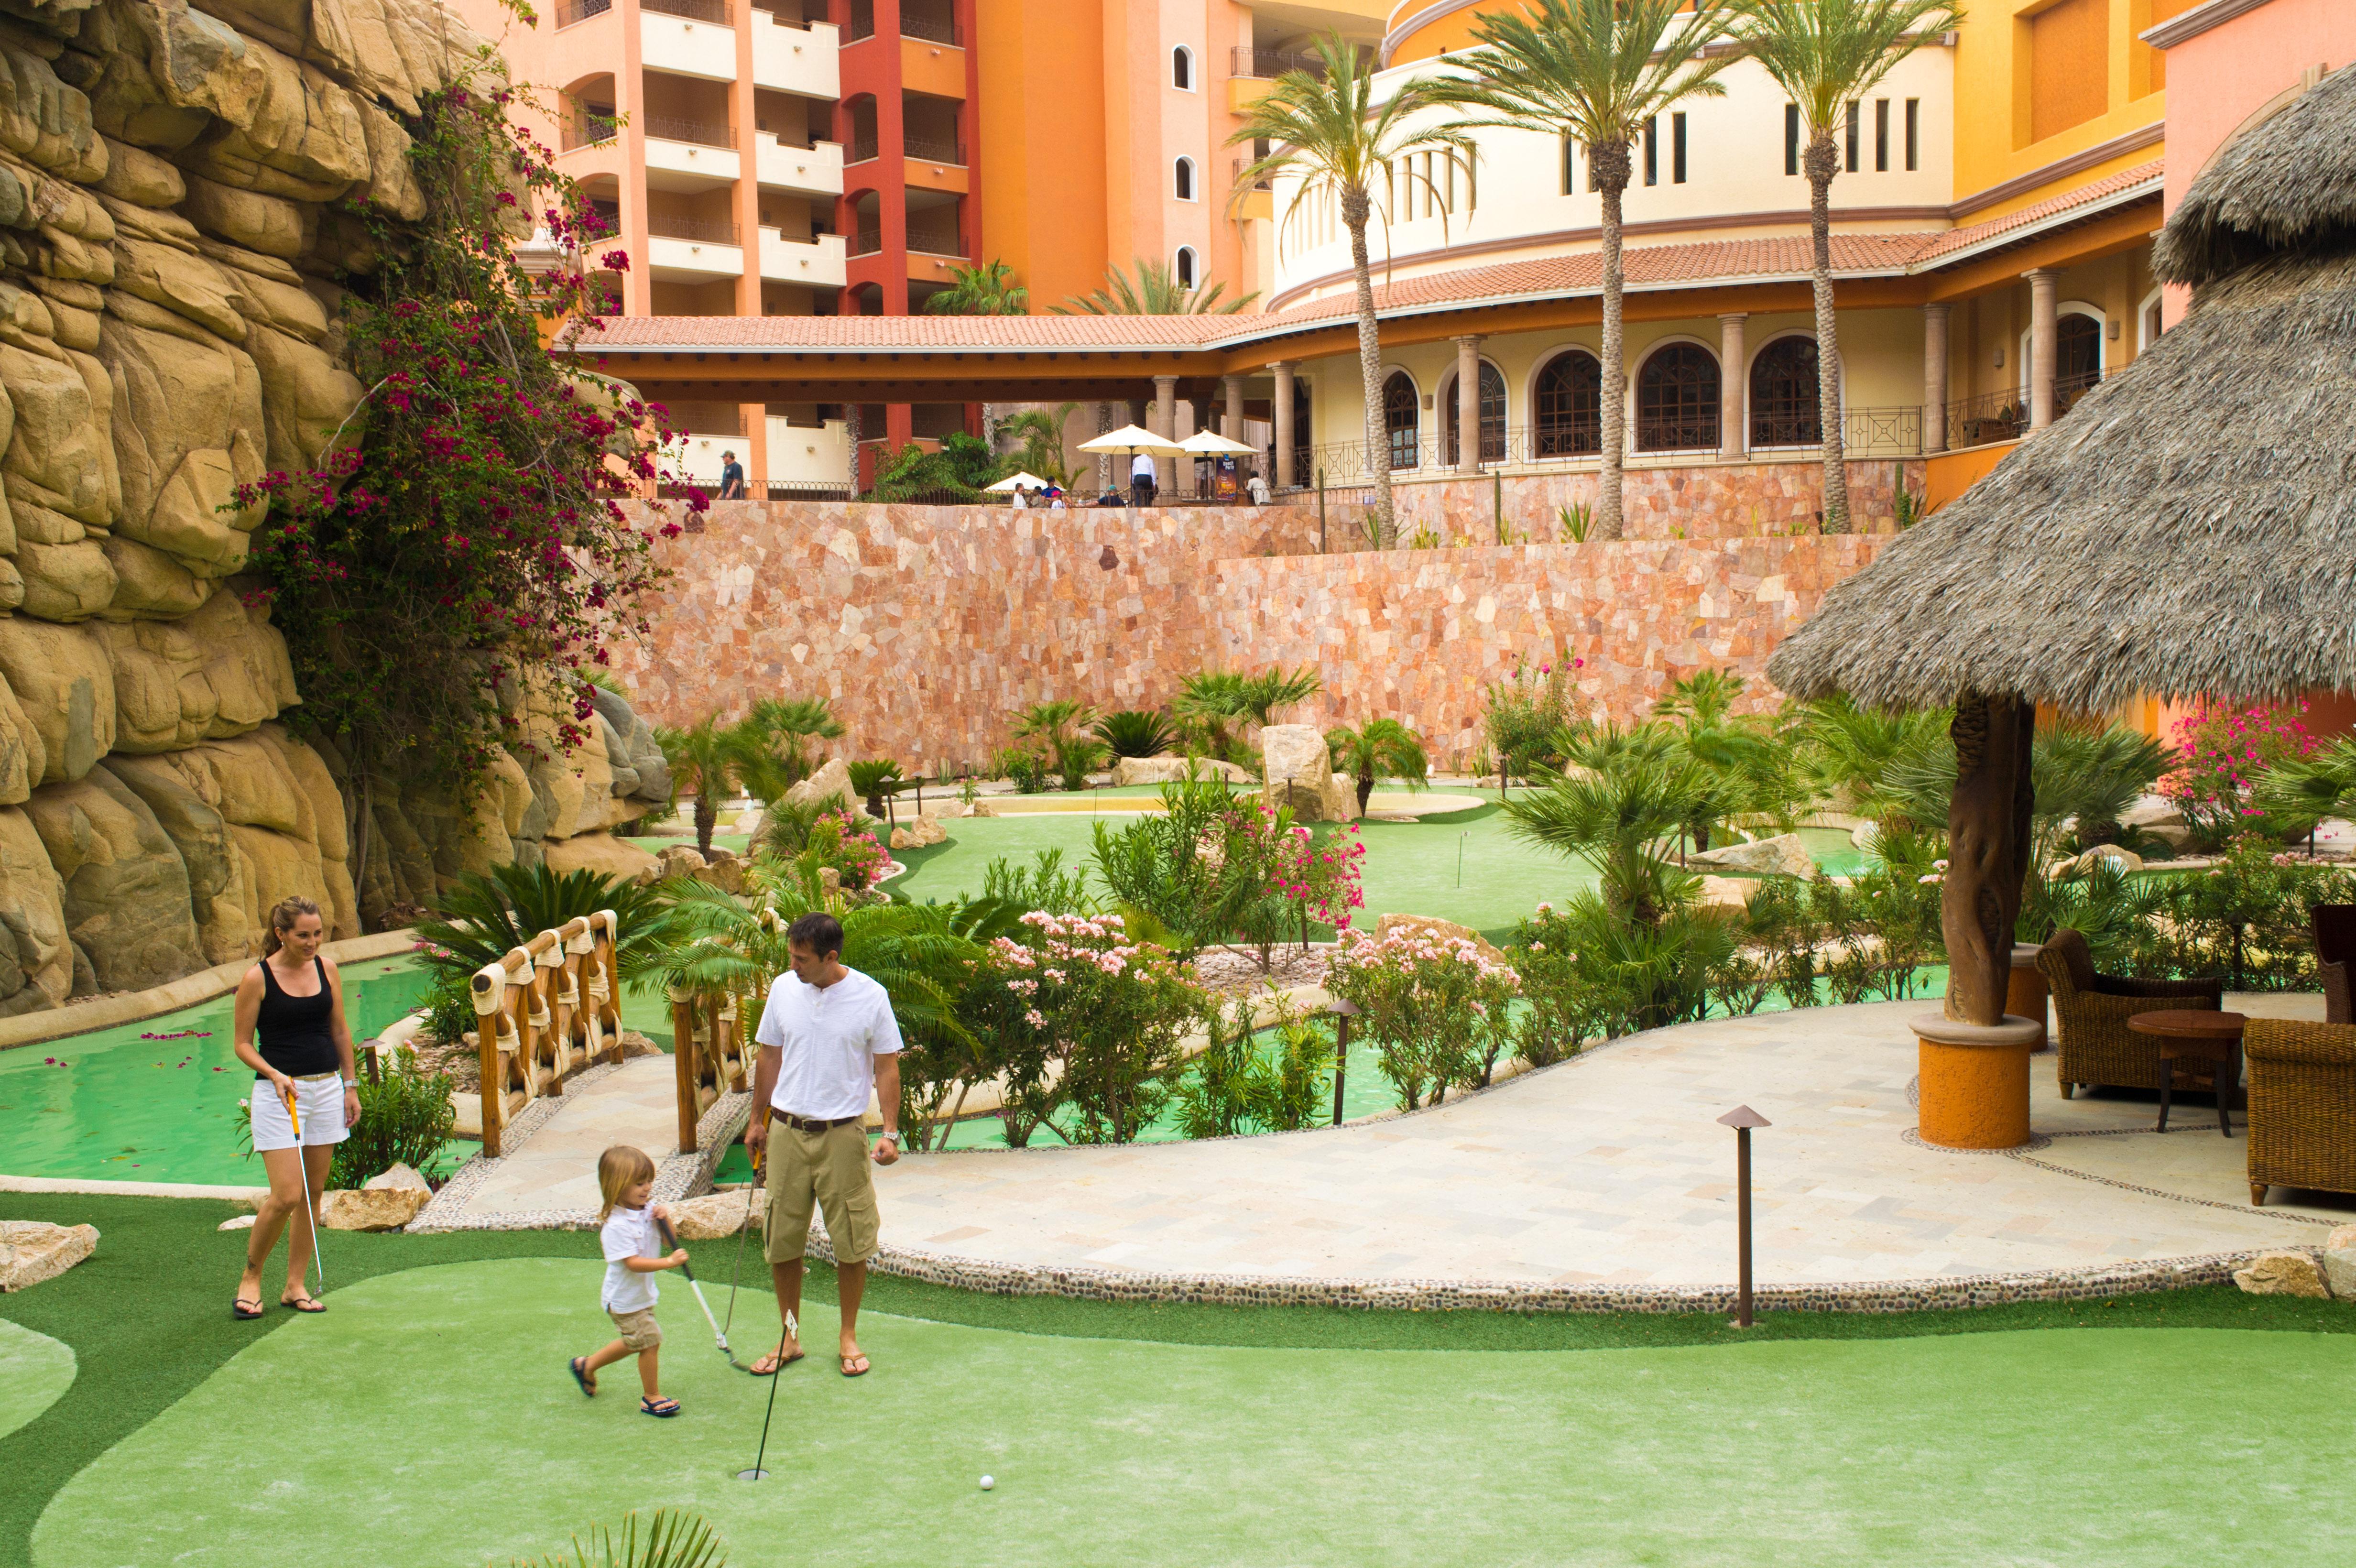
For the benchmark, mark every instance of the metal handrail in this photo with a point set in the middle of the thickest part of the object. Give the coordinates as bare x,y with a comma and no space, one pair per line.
699,132
1265,182
1265,64
860,151
587,130
933,152
707,230
568,12
692,10
931,31
936,242
866,243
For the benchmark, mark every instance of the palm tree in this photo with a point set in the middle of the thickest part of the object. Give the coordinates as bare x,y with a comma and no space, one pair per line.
711,759
1327,135
1153,292
782,724
1595,71
1040,434
1827,55
1618,818
1380,746
987,290
481,917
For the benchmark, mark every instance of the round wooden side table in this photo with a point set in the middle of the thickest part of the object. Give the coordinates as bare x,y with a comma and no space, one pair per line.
2195,1037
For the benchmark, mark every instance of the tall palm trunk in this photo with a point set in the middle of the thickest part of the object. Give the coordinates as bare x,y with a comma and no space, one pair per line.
1612,165
1355,208
1821,165
707,817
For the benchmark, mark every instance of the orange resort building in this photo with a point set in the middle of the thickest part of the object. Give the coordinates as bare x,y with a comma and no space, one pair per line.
793,188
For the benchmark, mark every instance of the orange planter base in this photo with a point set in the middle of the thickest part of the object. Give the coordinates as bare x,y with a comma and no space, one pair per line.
2026,993
1975,1085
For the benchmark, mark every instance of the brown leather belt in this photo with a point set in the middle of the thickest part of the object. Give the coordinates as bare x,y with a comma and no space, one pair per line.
804,1124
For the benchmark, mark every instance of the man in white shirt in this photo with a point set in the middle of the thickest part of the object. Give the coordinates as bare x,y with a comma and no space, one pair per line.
1143,476
827,1038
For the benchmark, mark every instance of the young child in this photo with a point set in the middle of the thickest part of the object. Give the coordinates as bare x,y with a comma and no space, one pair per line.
626,1226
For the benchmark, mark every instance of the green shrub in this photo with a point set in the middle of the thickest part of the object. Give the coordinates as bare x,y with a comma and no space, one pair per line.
481,917
2244,918
1437,1012
1239,1084
1135,733
404,1120
1042,885
1026,768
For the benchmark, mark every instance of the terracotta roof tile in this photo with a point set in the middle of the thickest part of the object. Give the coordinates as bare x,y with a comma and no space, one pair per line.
1964,239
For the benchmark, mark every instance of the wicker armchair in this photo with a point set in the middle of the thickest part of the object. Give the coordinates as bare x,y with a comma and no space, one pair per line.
2334,949
2302,1105
2091,1013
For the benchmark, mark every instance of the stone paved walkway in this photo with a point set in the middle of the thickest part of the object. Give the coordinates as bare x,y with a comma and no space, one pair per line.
1611,1170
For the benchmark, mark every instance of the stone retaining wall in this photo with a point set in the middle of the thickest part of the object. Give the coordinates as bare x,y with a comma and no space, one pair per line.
929,627
1684,500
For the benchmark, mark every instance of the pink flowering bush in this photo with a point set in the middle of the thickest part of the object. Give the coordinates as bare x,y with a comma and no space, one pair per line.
837,839
2222,754
1212,868
1436,1009
1086,1026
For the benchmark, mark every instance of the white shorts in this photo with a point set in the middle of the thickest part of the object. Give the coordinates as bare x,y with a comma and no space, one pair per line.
320,1103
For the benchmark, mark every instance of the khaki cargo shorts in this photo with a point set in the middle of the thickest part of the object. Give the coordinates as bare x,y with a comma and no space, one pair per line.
638,1330
828,1170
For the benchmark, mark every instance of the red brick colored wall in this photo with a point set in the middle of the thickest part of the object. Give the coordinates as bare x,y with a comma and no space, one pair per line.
929,627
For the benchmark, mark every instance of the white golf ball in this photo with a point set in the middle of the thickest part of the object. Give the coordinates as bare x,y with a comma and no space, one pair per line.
988,1482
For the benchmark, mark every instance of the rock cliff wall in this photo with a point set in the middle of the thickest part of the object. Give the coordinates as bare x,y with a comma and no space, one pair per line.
172,185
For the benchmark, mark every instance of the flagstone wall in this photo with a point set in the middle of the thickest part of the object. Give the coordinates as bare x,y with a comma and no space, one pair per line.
929,627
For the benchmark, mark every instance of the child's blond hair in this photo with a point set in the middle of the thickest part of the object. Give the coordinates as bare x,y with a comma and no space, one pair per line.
619,1169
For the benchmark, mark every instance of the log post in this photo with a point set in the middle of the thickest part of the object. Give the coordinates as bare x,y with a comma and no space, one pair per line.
485,989
683,1069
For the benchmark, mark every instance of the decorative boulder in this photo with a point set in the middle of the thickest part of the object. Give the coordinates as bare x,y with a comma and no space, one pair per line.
677,860
947,809
1730,892
1784,856
983,808
1167,769
2129,859
723,871
2282,1274
714,1215
833,779
2340,1262
1300,773
383,1203
34,1250
237,1223
919,832
1443,930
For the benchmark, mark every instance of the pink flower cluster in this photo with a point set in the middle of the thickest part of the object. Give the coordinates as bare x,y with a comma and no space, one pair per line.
2222,750
1406,948
1322,877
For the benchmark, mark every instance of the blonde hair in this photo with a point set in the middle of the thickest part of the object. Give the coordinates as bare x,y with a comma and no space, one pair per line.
282,916
619,1169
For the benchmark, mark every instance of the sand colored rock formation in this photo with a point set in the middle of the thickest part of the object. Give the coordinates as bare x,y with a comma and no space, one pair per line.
170,235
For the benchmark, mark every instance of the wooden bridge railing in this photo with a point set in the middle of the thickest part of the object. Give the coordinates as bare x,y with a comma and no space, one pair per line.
547,1009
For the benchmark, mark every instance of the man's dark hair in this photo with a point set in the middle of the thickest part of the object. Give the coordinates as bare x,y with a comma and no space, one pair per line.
818,931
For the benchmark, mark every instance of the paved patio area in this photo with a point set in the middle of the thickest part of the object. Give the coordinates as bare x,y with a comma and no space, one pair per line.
1610,1171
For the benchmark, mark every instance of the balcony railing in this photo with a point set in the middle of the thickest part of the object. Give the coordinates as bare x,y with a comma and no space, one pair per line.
1578,440
935,241
701,132
1991,417
933,30
934,152
1263,183
2067,389
1268,63
866,243
717,11
704,230
571,11
587,129
862,151
707,419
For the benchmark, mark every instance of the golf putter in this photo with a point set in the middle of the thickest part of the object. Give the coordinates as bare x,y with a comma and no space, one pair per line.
295,1122
671,1240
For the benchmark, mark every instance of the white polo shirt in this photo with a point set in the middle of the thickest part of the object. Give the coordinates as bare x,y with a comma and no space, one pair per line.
1141,466
828,1037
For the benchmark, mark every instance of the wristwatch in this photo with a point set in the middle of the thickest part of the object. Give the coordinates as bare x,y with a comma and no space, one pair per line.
888,1132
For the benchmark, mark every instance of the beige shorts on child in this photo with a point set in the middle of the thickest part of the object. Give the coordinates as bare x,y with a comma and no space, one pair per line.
824,1170
639,1330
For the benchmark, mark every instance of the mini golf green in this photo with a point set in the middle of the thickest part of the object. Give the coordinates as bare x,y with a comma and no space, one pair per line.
34,1371
427,1420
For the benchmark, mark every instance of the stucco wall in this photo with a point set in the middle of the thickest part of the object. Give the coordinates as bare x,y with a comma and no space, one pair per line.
929,627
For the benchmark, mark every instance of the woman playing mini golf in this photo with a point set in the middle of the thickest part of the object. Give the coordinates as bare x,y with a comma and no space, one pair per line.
289,1030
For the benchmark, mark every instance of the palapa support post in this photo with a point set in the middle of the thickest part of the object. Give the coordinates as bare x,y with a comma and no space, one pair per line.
1974,1055
683,1068
1742,1118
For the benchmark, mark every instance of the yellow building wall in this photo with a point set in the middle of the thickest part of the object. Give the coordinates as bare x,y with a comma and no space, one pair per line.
1042,145
2015,116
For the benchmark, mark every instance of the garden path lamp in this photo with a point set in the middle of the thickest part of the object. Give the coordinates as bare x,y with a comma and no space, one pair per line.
1742,1118
1344,1010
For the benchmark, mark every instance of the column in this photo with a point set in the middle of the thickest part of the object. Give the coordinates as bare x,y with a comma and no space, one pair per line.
2044,332
1468,405
1283,477
1934,377
1233,426
1165,424
1733,378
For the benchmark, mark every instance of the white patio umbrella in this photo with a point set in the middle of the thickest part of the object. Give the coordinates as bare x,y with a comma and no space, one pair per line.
1020,480
1129,439
1211,444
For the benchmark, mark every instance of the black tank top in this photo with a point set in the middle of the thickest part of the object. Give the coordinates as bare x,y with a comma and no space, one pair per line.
290,1033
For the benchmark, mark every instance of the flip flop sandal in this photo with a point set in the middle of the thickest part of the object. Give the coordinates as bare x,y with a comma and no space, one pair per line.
780,1367
236,1308
303,1304
662,1407
864,1367
580,1368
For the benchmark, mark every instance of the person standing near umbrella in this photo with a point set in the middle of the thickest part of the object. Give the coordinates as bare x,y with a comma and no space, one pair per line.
1143,478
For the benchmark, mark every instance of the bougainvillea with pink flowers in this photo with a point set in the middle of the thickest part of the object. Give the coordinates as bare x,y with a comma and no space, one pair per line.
1435,1008
2222,750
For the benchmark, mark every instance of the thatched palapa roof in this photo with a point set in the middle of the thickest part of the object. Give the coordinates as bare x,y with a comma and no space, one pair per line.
2190,526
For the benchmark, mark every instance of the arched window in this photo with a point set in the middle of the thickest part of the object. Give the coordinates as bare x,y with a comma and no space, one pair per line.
1493,417
1785,406
2077,358
1399,420
1676,400
1182,69
1182,179
1569,394
1304,436
1182,271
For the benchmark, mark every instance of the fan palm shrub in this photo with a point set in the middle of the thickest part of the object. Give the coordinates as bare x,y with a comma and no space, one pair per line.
1827,56
710,759
1595,71
1135,733
1380,746
786,726
1328,135
485,915
871,781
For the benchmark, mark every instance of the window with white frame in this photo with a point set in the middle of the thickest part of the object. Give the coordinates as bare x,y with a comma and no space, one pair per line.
1182,69
1181,180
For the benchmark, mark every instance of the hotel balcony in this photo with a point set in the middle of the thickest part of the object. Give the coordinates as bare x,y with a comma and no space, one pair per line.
693,249
804,60
815,170
689,37
689,154
817,261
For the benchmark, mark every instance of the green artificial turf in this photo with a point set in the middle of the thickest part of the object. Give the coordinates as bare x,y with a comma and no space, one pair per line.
1938,1450
1118,1418
34,1371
